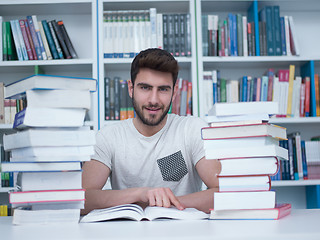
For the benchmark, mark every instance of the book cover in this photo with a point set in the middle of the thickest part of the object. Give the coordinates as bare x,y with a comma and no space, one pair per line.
49,137
49,117
250,166
33,50
16,40
277,30
60,38
253,17
244,200
67,39
40,166
55,39
45,81
35,38
22,24
244,183
278,212
21,40
37,30
45,41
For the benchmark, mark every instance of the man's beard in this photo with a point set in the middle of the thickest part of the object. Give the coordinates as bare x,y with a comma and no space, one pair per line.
151,121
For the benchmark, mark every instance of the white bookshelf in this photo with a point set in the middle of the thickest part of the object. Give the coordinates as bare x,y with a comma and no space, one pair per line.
121,67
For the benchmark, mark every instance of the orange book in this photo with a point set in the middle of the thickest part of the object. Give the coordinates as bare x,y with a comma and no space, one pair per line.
189,99
290,90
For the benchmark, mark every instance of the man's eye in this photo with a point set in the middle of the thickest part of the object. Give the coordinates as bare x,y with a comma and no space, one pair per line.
164,89
145,87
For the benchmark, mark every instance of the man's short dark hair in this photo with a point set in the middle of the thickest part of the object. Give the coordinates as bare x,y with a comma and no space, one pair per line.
155,59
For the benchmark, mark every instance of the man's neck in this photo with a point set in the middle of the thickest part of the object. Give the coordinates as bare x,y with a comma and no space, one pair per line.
146,130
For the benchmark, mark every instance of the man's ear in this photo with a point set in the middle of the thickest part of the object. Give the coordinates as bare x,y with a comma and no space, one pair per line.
130,88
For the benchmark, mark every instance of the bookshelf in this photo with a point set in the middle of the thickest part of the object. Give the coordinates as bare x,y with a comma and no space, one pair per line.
79,17
84,23
111,67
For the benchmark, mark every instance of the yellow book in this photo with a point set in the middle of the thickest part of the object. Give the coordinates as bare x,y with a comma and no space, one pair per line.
290,90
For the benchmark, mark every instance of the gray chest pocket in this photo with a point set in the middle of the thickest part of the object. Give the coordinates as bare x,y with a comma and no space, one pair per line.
173,167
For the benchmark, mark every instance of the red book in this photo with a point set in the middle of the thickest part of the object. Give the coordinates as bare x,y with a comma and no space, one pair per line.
22,24
280,211
33,50
306,80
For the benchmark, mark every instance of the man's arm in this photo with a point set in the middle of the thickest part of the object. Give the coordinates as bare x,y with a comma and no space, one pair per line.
94,177
203,200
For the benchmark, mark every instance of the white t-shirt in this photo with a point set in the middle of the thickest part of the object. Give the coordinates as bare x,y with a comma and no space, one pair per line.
166,159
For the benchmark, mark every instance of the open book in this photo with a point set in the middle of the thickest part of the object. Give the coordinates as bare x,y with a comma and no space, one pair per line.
135,212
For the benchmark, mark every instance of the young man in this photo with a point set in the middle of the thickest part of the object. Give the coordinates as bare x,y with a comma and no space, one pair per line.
157,158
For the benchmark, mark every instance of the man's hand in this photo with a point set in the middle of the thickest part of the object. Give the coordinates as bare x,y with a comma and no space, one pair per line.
161,197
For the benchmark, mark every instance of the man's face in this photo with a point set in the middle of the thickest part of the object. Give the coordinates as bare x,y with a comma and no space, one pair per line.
152,95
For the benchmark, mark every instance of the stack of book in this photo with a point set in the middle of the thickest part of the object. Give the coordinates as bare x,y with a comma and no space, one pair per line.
248,149
47,150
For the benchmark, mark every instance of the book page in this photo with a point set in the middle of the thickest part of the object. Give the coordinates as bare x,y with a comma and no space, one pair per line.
153,213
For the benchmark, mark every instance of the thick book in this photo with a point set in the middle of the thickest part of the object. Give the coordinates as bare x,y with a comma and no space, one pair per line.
35,181
44,81
244,183
40,166
23,216
279,211
238,108
39,137
243,131
137,213
52,151
244,200
47,196
240,142
70,158
49,117
58,98
249,166
233,119
246,152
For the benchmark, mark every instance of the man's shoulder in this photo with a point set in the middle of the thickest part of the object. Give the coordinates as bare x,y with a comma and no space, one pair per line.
187,120
114,127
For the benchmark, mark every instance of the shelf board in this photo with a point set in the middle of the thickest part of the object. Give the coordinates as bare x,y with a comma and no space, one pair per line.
289,183
295,120
254,59
6,189
129,60
46,62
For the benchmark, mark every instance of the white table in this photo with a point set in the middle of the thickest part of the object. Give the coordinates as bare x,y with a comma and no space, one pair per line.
301,224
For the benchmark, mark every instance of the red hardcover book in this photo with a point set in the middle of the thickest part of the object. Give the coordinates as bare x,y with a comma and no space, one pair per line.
280,211
33,50
22,24
47,196
258,92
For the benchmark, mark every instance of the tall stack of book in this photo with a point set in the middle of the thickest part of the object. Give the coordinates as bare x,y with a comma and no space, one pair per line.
247,146
47,150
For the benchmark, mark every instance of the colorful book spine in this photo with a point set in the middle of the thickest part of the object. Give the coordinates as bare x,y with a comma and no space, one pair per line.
67,40
33,50
62,43
16,40
22,24
35,38
55,39
40,40
51,43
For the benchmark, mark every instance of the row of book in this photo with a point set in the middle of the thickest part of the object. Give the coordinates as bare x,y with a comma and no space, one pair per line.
248,150
118,103
262,33
126,33
30,39
293,93
47,152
